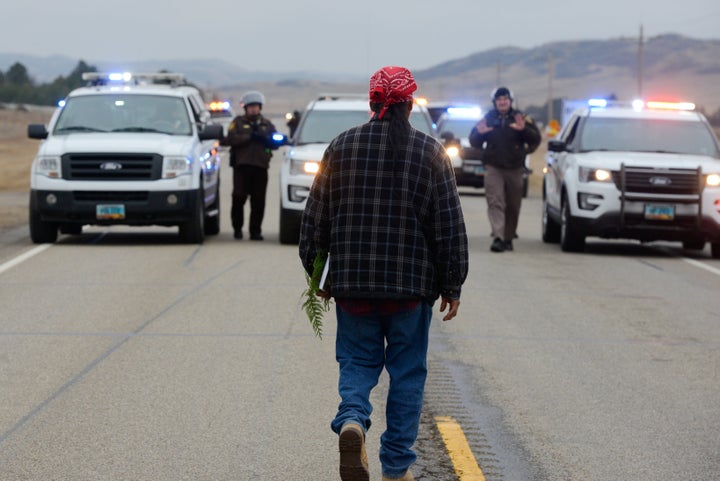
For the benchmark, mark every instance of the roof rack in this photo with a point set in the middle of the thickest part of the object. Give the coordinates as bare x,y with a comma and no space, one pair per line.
128,78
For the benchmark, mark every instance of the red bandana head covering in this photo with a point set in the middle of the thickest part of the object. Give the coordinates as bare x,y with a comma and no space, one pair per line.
391,85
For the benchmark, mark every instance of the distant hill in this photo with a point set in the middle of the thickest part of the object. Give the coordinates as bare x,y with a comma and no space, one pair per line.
673,66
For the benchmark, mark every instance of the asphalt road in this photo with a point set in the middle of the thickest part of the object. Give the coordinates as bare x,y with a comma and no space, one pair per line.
125,355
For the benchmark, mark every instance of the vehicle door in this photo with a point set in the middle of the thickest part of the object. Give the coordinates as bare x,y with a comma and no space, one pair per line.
558,163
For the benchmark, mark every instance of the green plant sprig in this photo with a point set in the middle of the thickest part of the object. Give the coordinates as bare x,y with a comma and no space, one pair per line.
315,306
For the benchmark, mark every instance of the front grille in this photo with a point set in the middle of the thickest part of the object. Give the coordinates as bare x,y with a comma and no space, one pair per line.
646,180
111,166
111,196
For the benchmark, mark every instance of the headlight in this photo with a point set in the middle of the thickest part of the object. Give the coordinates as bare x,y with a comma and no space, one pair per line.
453,151
48,166
304,167
712,180
175,166
587,174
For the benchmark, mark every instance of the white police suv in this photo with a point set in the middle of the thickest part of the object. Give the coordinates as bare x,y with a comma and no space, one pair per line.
323,119
127,149
646,171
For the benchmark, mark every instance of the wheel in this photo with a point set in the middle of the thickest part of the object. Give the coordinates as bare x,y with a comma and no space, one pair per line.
715,250
289,226
696,245
42,232
212,215
193,231
550,228
570,239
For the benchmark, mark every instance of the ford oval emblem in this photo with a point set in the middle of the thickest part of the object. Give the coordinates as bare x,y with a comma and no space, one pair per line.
110,166
659,181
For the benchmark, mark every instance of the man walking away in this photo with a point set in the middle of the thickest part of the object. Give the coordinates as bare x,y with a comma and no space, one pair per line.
384,205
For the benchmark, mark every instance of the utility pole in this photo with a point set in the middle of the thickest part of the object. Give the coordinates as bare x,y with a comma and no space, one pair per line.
640,65
550,112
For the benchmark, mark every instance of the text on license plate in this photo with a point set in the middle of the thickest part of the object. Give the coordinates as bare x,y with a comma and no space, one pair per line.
659,212
110,211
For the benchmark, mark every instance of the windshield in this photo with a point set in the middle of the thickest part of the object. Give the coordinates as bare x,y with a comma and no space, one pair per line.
124,113
321,126
647,135
460,128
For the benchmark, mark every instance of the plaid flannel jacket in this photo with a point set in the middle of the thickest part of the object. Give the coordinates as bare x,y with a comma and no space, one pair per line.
393,224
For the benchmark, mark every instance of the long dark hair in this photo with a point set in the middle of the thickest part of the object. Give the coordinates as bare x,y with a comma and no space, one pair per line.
397,115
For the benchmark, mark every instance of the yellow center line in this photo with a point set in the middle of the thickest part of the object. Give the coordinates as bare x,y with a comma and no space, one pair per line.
466,467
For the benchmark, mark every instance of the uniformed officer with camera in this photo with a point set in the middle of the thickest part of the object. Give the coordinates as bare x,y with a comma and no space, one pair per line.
250,138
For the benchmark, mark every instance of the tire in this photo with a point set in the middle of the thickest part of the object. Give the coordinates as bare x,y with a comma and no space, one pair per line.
571,240
550,228
212,222
193,231
42,232
715,250
694,245
289,226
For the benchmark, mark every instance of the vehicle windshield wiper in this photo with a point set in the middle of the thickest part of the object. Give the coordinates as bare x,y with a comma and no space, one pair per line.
79,128
313,142
139,129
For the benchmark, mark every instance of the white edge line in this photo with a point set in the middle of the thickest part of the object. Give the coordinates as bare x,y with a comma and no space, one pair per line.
702,266
23,257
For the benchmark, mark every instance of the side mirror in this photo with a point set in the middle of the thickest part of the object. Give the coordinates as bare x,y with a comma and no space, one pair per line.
556,146
37,131
211,132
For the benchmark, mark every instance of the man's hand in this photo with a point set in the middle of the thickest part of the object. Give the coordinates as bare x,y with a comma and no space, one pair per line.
482,127
519,123
454,305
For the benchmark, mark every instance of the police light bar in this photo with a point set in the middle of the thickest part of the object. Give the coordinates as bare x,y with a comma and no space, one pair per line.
218,105
465,112
597,102
639,104
655,104
122,78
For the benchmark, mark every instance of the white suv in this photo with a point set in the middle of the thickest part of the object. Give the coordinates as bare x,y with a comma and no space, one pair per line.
323,119
127,149
647,171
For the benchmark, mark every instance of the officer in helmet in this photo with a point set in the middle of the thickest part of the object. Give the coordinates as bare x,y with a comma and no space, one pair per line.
506,136
250,137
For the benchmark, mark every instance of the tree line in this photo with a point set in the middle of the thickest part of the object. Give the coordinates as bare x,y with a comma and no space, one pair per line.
17,86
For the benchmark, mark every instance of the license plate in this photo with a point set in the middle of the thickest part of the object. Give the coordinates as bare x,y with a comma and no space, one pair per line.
659,212
110,211
479,170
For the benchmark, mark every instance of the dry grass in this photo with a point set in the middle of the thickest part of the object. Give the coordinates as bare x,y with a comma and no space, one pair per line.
16,155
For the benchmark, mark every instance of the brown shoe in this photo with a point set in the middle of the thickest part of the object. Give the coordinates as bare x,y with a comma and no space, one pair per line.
406,477
353,459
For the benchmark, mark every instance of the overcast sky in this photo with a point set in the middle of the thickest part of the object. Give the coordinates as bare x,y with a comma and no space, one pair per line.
343,36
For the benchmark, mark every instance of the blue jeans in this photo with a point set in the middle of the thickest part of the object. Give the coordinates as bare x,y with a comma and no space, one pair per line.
362,352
